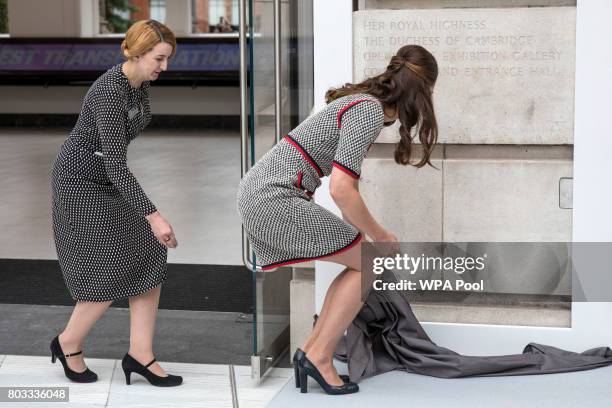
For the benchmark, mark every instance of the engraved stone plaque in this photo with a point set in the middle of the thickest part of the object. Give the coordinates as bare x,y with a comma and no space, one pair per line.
506,76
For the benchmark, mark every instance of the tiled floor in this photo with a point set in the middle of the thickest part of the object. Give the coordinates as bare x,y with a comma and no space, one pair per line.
205,385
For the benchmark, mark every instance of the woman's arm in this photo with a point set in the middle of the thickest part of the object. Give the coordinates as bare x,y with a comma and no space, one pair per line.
109,108
110,116
346,217
360,123
345,193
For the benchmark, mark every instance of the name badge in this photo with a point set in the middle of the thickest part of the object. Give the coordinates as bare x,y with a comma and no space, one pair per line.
132,112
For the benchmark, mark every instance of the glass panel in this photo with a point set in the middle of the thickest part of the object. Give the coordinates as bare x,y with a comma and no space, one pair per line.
117,15
299,71
157,9
270,318
296,69
215,16
271,322
262,75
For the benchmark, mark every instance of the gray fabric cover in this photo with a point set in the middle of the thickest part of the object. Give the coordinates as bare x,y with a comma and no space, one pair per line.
385,336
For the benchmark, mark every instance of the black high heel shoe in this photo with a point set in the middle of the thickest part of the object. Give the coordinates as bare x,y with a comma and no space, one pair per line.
86,376
297,356
130,365
306,368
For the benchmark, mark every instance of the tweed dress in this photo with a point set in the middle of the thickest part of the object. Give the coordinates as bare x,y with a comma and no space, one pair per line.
105,246
282,222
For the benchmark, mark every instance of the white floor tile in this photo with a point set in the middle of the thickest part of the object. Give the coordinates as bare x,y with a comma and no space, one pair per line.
39,371
244,403
259,392
204,385
184,369
262,392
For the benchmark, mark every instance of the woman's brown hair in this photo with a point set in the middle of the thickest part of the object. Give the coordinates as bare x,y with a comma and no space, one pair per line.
143,35
407,84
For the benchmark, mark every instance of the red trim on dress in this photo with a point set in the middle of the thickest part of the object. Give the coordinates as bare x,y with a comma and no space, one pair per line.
299,180
354,242
346,170
299,185
305,154
339,117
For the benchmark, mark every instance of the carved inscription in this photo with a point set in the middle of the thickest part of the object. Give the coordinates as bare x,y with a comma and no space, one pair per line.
505,75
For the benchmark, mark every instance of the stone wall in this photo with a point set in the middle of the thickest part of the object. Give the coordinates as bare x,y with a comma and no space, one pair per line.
505,107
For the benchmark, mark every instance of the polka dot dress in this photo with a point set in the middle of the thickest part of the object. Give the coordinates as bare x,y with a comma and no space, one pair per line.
105,246
282,222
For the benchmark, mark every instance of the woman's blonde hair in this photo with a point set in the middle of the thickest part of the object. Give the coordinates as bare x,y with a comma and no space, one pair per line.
143,35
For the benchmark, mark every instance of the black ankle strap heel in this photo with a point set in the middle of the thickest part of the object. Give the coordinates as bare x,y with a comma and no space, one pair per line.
306,368
131,365
86,376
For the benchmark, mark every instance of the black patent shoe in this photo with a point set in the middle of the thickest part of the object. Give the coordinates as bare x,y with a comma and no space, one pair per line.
130,365
306,368
86,376
299,354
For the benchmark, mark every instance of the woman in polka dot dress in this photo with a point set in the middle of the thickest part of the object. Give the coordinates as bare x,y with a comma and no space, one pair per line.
285,226
111,241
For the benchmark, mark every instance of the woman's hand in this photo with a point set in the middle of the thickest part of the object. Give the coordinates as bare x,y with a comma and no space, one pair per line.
391,246
162,229
344,190
385,236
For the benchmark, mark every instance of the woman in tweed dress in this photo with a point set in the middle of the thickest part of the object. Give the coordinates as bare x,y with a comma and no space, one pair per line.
111,241
285,226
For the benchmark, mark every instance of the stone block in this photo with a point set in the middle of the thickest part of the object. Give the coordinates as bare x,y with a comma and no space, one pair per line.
505,200
506,76
302,294
404,199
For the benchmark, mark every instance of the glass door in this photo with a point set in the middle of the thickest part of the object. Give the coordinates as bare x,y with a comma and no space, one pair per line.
276,93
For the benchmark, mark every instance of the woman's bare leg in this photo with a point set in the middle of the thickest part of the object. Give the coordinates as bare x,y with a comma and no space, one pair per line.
323,315
84,316
143,312
343,305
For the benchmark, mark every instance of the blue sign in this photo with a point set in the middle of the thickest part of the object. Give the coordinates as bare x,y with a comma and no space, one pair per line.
99,57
